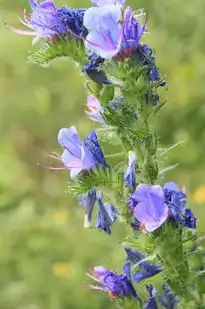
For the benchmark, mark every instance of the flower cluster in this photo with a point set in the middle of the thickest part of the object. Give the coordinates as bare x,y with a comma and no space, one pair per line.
121,286
123,81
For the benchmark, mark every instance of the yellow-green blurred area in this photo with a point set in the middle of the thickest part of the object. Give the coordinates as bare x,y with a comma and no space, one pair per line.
44,249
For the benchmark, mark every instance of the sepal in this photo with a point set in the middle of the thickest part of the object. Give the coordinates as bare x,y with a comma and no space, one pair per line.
55,49
87,180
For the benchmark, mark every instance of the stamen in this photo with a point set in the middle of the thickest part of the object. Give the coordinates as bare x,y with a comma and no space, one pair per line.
25,16
92,276
25,23
93,287
20,31
52,168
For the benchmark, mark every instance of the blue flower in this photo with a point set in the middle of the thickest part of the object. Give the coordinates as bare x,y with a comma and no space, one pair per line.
148,206
146,270
76,155
118,285
144,54
95,109
106,32
107,2
47,21
132,31
87,200
130,175
189,219
112,30
107,214
168,300
176,201
91,68
151,303
73,19
91,143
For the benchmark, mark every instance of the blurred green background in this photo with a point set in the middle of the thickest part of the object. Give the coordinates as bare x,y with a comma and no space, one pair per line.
45,252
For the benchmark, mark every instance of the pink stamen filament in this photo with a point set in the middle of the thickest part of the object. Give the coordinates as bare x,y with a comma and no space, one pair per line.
93,287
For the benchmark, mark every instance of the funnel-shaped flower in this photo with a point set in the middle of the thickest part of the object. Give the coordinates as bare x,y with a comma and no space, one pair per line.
176,201
151,303
145,55
76,156
87,200
189,219
112,30
168,300
132,31
105,37
130,175
149,205
91,143
79,155
47,21
107,214
95,109
93,70
118,285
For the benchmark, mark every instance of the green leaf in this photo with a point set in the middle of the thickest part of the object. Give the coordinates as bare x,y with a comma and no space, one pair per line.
167,169
107,94
158,107
201,284
99,177
165,151
62,47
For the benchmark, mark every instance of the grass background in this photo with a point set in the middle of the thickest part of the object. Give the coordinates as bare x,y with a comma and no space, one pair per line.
45,251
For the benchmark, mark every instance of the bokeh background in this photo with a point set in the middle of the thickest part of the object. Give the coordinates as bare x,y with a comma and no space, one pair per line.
44,250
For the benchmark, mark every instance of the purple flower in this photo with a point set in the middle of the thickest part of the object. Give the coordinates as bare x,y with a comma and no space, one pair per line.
176,201
146,270
73,19
91,68
118,285
149,206
87,201
189,219
144,54
168,300
107,214
132,31
91,143
130,177
77,155
95,109
108,2
47,21
111,32
106,32
151,303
